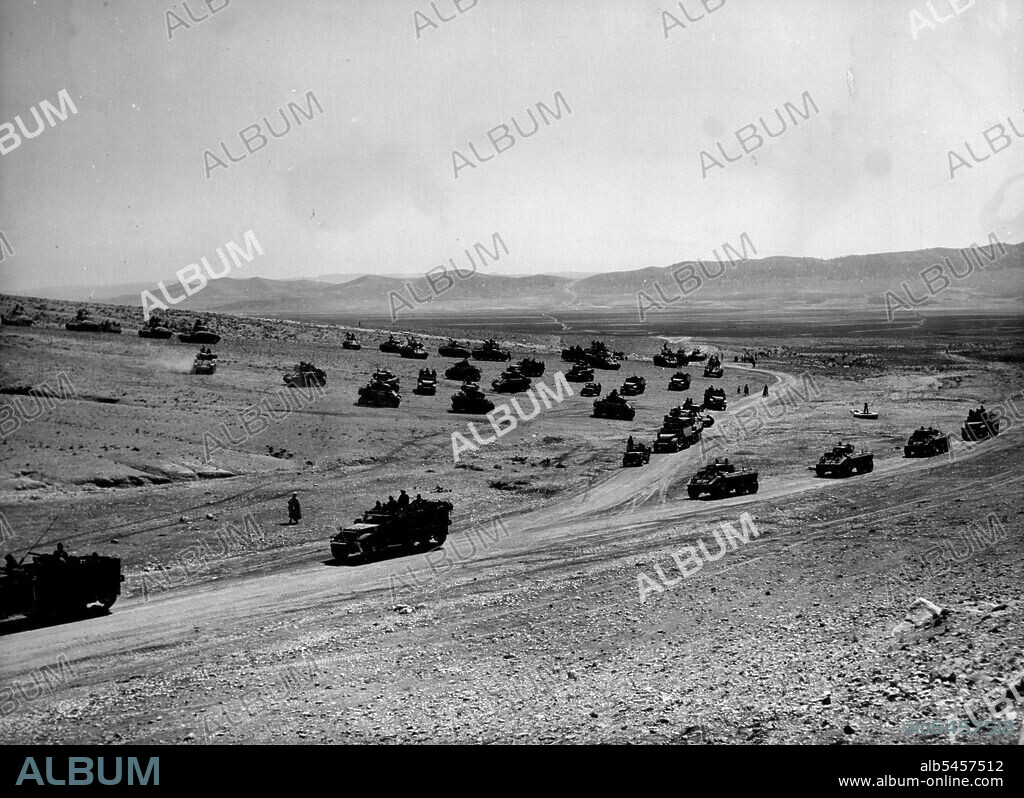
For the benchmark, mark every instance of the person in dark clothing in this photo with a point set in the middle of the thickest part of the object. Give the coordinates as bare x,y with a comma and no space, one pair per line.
392,505
294,511
378,507
765,391
746,390
403,499
60,553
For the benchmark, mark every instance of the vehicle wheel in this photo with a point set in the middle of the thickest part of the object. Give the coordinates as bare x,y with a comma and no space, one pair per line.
693,494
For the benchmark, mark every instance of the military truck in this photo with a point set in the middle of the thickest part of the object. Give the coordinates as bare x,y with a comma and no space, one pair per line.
58,584
721,479
17,317
668,442
580,373
454,349
392,529
491,350
470,399
680,381
531,367
591,389
155,328
714,398
413,349
464,371
305,374
613,406
351,342
843,461
512,380
926,442
980,424
381,391
680,429
83,322
636,454
633,386
426,383
713,368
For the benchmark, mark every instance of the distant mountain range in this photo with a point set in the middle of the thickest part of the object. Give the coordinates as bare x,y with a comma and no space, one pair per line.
994,278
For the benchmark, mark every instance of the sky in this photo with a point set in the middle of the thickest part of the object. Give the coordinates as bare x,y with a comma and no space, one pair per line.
120,191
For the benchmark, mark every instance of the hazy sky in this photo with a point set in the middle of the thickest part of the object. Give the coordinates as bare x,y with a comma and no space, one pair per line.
118,192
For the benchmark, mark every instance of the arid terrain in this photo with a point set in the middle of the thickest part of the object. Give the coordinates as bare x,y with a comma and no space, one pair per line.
532,623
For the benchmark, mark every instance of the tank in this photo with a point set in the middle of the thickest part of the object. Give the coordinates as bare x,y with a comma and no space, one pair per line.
463,371
490,350
155,328
512,380
83,322
580,373
980,424
713,368
392,345
721,479
714,398
204,363
351,342
17,317
591,389
574,354
666,358
454,349
389,529
680,381
633,386
426,383
413,349
636,454
380,391
305,374
54,586
926,442
844,461
200,334
386,377
531,367
470,399
613,406
697,356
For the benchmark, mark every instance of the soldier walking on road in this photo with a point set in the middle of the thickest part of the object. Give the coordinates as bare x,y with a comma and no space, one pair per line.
746,390
765,391
294,511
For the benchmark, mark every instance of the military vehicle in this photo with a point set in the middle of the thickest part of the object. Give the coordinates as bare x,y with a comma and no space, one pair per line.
697,356
386,377
865,413
200,334
205,362
599,357
463,371
636,454
426,383
721,479
490,350
591,389
633,386
470,399
714,399
666,358
531,367
714,367
680,429
55,585
351,342
305,374
512,380
574,354
17,317
843,461
381,391
926,442
413,349
613,406
580,373
155,328
667,442
680,381
454,349
392,345
386,528
980,424
83,322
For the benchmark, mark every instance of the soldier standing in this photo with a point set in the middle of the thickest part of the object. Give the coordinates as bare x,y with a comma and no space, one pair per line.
765,391
294,511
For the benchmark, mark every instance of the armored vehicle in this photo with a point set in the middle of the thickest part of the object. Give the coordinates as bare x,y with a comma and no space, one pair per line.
926,442
470,399
200,334
714,398
413,349
605,362
463,371
666,358
57,584
351,342
636,454
380,391
633,386
697,356
680,429
721,479
454,349
680,381
17,317
531,367
83,322
426,383
713,368
305,374
591,389
613,406
205,362
490,350
668,442
512,380
391,528
392,345
580,373
386,377
843,461
155,328
574,354
980,424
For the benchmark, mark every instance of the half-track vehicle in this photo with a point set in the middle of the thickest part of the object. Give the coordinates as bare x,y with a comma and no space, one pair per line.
721,479
305,374
531,367
390,529
636,454
454,349
199,334
580,373
591,389
613,406
926,442
426,383
633,386
680,381
463,371
155,328
470,399
58,584
351,342
714,398
713,368
512,380
392,345
17,317
491,350
980,424
413,349
843,461
83,322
